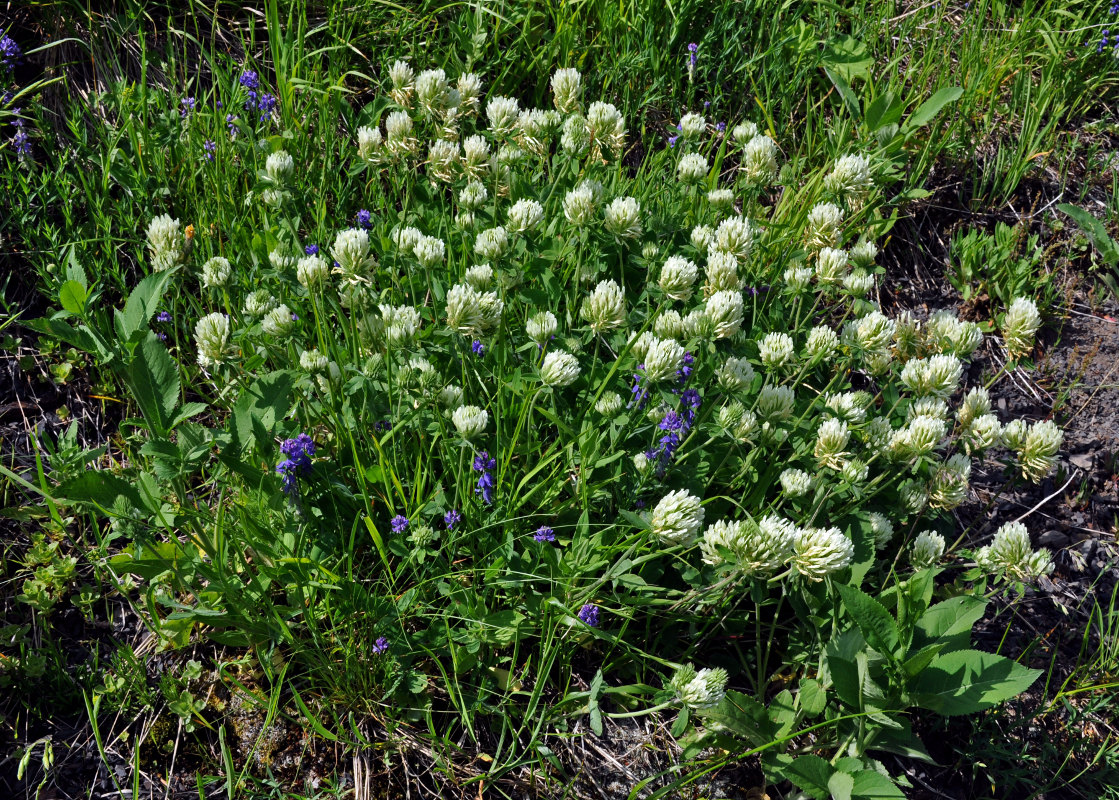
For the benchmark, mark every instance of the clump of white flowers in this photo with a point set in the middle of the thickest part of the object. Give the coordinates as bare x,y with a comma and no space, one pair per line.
1019,327
524,215
1010,553
701,689
677,518
470,421
559,369
819,552
796,482
605,308
567,90
926,550
850,177
211,335
759,160
216,272
623,218
351,251
165,242
692,168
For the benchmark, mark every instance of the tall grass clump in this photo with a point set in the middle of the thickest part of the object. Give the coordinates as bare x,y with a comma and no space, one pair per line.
488,415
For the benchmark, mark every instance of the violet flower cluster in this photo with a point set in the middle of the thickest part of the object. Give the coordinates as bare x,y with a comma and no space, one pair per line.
485,464
299,452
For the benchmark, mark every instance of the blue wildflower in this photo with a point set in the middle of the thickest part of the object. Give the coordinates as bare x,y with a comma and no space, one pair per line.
399,523
9,53
381,645
163,316
188,104
210,146
485,464
298,462
311,249
250,80
452,518
365,219
544,534
589,615
478,347
22,142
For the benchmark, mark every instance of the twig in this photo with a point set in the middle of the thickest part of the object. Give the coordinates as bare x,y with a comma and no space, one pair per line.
1050,497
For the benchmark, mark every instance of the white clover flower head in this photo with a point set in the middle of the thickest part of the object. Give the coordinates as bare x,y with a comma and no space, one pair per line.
279,167
492,308
272,197
698,325
870,334
259,302
281,260
211,335
475,155
609,405
862,255
677,277
278,323
726,311
821,344
819,552
1039,563
559,369
492,243
400,323
479,277
473,196
470,421
882,529
936,376
405,240
692,168
736,375
1019,327
313,362
692,127
1014,434
926,550
677,518
735,236
369,143
981,434
946,333
165,242
605,307
777,351
876,435
607,128
663,360
722,535
541,327
697,690
822,228
567,90
576,137
722,273
351,251
623,218
579,205
927,407
450,396
847,406
850,177
669,325
442,157
430,251
775,403
854,471
431,90
831,265
744,131
641,463
503,114
919,437
469,86
831,443
913,495
398,132
403,82
1037,456
796,482
721,199
759,160
948,488
312,272
797,279
524,215
216,272
976,403
858,283
702,237
464,309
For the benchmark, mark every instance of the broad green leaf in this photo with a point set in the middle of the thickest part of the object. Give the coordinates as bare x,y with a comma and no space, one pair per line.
1097,232
142,304
154,377
841,785
812,697
900,741
263,404
927,111
743,716
72,296
883,110
951,619
967,681
811,774
875,622
870,784
100,487
841,655
848,57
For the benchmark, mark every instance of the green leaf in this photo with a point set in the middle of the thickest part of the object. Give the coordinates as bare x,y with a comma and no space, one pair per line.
743,716
259,408
883,110
501,627
967,681
99,487
848,57
811,774
154,377
841,785
844,88
875,622
1097,232
950,620
842,653
928,110
870,784
812,697
72,296
142,304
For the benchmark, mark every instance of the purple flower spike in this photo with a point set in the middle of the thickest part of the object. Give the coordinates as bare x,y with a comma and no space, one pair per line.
544,534
478,347
399,523
365,219
452,518
311,249
485,464
381,645
589,615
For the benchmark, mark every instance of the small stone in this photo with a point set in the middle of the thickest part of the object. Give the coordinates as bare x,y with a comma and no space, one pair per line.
1053,539
1083,461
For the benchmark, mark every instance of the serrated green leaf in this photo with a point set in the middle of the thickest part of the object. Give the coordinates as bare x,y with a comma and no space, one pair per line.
154,378
875,622
811,774
927,111
72,296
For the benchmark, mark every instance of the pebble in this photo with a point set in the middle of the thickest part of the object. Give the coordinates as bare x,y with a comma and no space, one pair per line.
1082,460
1053,539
